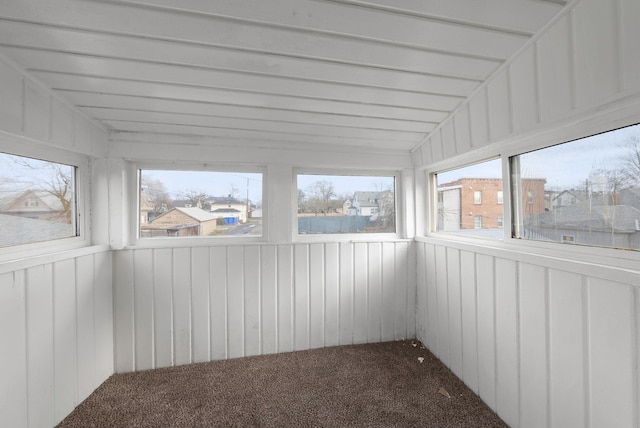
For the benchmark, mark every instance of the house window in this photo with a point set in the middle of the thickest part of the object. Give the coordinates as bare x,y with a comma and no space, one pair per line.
181,203
37,200
457,200
338,204
477,197
500,197
500,220
594,191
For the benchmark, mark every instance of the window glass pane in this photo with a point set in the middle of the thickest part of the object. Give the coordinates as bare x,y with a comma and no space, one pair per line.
37,200
200,203
582,192
500,197
461,207
346,204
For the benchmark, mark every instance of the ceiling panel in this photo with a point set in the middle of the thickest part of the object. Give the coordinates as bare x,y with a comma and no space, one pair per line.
319,73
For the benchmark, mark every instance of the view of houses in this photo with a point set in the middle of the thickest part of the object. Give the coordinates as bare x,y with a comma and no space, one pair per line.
204,216
34,216
362,211
593,215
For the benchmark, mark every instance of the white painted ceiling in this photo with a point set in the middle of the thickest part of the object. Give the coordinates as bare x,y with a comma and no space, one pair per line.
376,74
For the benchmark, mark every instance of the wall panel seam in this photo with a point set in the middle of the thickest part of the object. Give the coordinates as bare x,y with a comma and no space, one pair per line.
586,348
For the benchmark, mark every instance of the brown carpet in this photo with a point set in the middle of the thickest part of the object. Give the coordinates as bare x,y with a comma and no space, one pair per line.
372,385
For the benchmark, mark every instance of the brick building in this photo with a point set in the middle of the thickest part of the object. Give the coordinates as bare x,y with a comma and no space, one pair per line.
477,203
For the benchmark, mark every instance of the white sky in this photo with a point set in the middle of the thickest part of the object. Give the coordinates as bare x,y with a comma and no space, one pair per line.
565,165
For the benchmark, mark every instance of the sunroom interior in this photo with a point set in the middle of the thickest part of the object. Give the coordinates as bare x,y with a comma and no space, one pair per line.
545,331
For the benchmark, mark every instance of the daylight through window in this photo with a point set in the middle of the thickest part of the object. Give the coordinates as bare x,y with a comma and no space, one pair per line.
461,209
346,204
199,203
37,200
582,192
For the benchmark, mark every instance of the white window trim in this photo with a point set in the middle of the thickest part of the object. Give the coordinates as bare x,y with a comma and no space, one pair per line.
597,123
347,237
160,242
27,148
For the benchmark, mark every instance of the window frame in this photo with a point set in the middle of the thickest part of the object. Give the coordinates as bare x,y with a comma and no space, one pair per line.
19,147
597,123
431,228
135,240
346,237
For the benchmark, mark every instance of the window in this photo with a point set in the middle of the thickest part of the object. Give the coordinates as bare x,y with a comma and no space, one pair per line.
199,203
37,200
477,197
500,220
345,204
500,197
584,192
459,192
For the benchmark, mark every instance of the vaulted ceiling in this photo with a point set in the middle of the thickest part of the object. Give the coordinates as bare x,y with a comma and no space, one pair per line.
378,74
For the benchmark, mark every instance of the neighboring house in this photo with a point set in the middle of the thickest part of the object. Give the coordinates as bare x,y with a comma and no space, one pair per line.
34,204
477,203
218,202
181,222
367,204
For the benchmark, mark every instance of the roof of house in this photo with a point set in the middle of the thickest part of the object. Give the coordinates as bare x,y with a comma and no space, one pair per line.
20,230
228,200
621,218
195,213
226,210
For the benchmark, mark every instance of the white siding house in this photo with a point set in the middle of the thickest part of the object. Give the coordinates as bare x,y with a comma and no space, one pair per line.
547,335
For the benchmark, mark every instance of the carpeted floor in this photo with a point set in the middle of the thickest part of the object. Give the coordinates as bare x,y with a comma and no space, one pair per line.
372,385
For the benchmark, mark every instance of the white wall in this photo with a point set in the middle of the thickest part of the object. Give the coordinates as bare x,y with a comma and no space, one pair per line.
181,305
547,338
543,341
56,325
56,311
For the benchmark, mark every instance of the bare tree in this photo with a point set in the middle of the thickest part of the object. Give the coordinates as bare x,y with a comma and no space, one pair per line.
195,198
631,162
155,195
319,196
49,178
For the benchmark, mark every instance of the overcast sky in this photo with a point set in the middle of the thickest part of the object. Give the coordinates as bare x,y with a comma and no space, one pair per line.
565,165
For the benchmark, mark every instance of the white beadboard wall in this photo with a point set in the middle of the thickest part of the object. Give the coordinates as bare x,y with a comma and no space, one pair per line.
182,305
544,342
30,110
56,325
585,63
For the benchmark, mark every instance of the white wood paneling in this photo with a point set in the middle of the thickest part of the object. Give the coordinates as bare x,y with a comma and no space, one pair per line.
583,62
630,34
469,305
523,89
13,370
486,313
260,299
499,106
554,346
596,52
453,285
534,366
612,368
54,324
507,343
31,110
